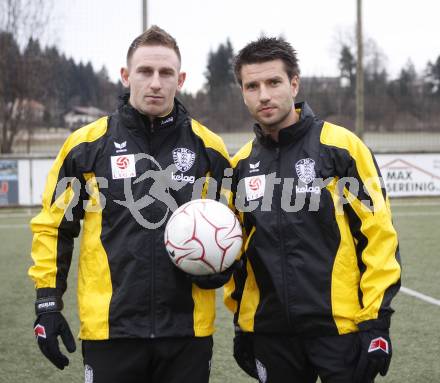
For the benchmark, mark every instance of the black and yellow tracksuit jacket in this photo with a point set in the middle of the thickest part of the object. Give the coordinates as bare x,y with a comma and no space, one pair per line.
321,258
127,286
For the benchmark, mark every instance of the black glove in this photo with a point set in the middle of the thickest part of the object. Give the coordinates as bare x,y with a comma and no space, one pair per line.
214,281
49,324
375,355
244,353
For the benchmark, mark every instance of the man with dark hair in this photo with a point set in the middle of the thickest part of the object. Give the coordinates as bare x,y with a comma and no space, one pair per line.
141,318
321,259
259,51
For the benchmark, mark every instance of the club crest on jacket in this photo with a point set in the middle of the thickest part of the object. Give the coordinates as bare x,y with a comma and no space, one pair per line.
305,169
183,158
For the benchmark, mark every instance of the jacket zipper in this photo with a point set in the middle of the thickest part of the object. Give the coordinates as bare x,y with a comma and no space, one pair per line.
153,308
280,230
153,256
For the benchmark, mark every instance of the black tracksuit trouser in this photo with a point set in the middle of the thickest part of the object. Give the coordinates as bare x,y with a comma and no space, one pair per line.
295,359
161,360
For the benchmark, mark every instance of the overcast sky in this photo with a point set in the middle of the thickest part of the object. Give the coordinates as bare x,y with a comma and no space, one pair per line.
100,31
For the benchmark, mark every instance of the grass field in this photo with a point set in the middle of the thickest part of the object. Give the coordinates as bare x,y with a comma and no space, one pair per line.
415,330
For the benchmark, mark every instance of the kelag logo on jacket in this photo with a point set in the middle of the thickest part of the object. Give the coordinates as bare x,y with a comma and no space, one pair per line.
183,159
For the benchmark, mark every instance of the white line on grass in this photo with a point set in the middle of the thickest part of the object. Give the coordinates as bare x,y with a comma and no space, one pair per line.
15,226
414,203
421,296
415,213
12,215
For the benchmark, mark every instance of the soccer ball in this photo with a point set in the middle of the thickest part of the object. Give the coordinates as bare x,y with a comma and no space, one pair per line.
203,237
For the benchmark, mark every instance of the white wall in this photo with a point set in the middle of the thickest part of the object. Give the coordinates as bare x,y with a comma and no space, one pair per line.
39,170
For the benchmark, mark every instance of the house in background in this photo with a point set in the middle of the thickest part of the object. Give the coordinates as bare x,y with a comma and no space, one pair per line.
27,110
82,115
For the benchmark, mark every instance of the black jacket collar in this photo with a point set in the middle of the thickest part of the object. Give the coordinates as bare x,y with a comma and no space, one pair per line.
135,120
291,133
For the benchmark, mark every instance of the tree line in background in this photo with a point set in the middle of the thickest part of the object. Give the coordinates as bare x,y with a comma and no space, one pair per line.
34,80
34,75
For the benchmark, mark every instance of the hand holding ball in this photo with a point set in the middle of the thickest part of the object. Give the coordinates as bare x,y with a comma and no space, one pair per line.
203,237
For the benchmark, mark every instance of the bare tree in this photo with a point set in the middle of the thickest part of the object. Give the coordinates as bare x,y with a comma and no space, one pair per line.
19,21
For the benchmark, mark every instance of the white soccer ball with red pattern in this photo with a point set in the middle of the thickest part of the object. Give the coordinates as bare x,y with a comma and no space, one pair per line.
203,237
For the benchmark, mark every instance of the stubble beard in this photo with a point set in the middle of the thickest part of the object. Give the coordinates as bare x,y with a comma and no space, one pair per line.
275,126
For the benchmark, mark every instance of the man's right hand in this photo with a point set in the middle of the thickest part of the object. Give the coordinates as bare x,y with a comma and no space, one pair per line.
49,324
244,353
214,281
375,355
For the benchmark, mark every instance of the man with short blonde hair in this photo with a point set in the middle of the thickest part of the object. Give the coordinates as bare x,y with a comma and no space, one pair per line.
142,319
